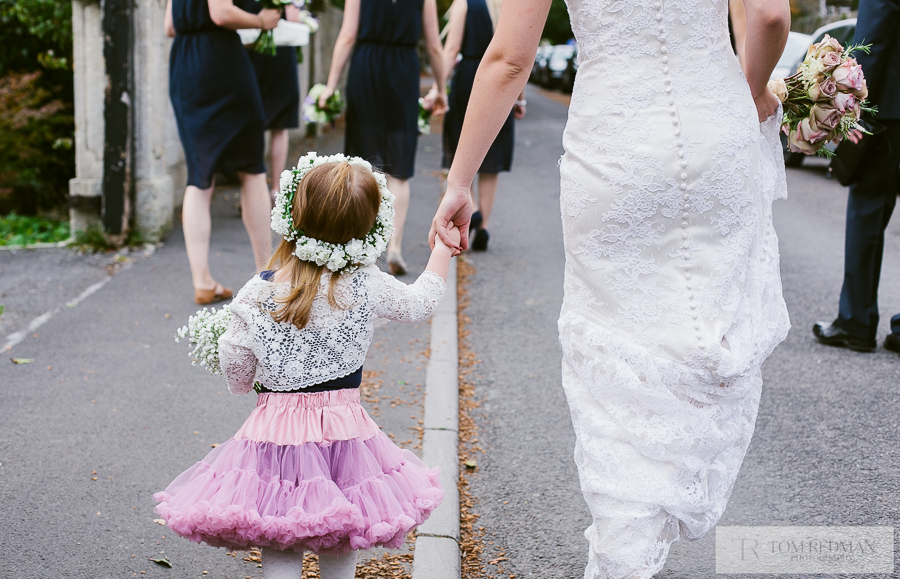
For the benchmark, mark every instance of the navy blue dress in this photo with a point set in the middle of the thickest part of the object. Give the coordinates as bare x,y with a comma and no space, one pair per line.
279,85
383,86
214,93
476,38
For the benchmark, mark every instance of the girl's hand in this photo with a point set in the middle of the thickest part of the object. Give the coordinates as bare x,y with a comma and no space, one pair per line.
454,213
268,18
326,94
766,104
519,112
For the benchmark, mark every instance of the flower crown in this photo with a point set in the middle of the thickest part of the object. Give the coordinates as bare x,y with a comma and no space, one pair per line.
346,257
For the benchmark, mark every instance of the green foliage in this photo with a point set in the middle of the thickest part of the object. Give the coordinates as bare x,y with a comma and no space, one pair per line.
37,124
25,230
94,240
558,30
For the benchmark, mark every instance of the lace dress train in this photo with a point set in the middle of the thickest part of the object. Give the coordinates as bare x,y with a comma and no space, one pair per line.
673,294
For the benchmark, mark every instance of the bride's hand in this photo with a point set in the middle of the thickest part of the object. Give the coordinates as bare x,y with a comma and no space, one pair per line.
326,94
455,211
766,104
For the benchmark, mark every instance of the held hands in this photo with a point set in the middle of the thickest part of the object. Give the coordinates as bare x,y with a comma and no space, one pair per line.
451,222
766,104
436,102
268,18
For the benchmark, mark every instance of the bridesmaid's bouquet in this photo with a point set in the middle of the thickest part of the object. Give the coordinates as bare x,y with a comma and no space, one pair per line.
313,113
265,42
202,332
823,101
424,118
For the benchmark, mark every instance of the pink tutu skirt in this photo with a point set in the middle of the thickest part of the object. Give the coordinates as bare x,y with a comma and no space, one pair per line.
304,472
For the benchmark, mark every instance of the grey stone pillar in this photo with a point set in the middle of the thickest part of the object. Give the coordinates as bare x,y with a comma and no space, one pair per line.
158,167
85,192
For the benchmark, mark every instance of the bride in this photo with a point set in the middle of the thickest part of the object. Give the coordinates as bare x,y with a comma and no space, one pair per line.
672,289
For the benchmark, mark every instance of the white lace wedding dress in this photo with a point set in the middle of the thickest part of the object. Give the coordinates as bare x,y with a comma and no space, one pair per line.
672,289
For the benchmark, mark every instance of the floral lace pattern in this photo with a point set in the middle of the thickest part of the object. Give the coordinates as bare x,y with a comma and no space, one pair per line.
334,342
672,287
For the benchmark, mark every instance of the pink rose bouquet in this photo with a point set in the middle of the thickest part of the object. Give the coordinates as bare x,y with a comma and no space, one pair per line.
823,101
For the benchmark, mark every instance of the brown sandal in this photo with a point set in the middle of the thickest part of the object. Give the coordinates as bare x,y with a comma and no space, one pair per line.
211,296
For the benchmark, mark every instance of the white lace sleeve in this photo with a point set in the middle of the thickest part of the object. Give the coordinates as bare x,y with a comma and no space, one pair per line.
402,302
237,360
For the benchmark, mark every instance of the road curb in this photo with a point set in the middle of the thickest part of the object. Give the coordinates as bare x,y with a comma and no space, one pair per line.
436,555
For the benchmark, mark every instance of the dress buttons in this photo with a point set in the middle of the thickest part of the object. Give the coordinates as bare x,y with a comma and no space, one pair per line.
658,5
677,132
665,59
686,216
663,49
668,89
683,187
687,275
683,176
680,153
662,37
694,316
665,70
693,306
684,224
683,164
659,17
679,142
684,235
671,101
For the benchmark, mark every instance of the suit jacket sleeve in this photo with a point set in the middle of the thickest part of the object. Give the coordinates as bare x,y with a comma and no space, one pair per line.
878,24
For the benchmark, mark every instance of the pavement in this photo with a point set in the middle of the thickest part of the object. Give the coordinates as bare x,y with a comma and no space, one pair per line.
828,433
110,409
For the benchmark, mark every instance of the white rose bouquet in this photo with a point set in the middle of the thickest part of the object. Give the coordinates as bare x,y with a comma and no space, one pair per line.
203,331
313,113
823,101
424,118
265,42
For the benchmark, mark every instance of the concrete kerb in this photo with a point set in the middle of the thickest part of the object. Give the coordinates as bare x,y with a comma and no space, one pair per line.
437,543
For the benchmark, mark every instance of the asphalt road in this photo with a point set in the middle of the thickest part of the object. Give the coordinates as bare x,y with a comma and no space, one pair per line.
110,410
825,447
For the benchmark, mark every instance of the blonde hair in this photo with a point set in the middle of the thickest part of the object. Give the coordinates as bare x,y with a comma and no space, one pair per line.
335,202
493,7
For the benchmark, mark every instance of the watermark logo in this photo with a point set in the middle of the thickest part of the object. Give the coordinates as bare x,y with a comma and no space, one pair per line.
835,550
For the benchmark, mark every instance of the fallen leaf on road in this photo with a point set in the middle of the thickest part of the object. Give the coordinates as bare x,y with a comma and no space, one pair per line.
470,464
159,521
22,360
163,562
71,305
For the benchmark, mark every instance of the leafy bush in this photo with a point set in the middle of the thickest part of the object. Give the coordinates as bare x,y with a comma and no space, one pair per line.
27,230
37,124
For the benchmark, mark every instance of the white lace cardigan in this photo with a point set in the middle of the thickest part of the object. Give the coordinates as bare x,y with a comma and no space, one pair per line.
334,342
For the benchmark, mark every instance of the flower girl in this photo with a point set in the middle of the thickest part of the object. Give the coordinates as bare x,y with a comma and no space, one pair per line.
309,469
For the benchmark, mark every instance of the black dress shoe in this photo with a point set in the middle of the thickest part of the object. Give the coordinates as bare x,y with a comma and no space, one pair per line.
892,343
481,240
476,221
832,335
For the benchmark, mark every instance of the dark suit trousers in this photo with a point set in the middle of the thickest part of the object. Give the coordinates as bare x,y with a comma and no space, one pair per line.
869,207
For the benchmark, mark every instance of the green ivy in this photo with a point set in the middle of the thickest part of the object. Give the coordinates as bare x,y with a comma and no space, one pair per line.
26,230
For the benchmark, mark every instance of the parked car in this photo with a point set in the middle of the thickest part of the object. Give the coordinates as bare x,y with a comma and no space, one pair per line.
842,31
567,82
540,62
794,52
557,62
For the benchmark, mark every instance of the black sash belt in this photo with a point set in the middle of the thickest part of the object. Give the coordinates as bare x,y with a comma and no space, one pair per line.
351,381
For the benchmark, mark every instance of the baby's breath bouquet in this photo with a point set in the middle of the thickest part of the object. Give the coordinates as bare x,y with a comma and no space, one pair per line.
424,118
202,331
313,113
823,101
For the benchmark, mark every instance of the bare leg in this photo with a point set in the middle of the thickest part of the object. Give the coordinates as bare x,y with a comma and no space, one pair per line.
487,191
400,189
197,225
282,564
256,210
279,147
341,566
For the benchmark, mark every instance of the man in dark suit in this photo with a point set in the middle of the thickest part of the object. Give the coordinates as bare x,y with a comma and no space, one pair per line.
873,198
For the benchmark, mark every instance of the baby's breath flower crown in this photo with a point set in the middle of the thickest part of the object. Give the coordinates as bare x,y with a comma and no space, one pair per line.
343,258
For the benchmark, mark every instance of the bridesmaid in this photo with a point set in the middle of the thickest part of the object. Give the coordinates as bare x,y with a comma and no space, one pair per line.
279,87
383,91
470,30
220,121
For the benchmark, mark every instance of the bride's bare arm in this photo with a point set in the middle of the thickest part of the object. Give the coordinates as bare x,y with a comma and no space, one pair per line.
500,79
768,23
